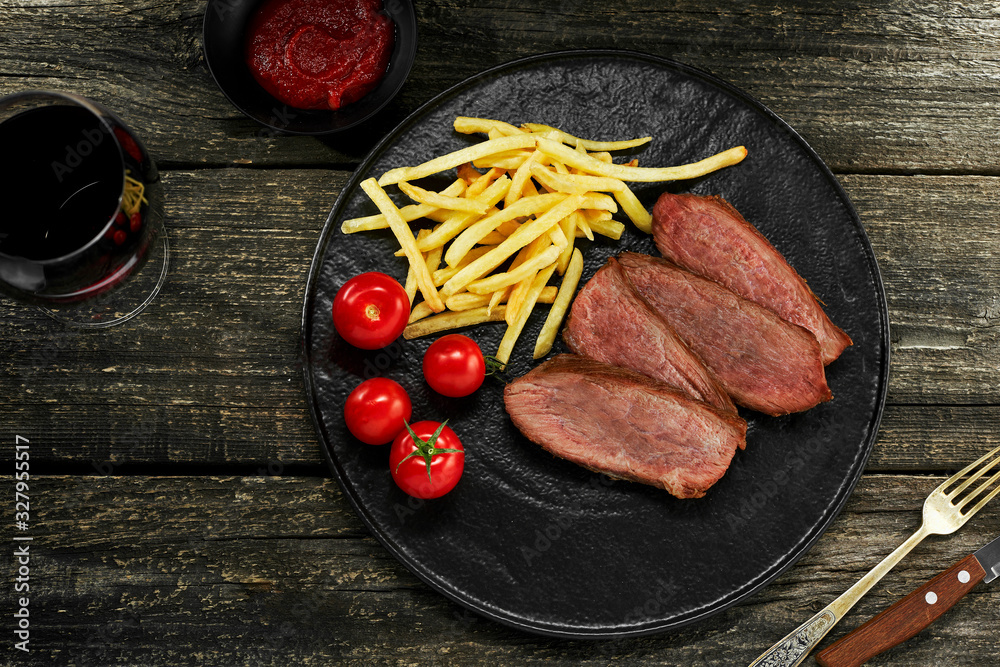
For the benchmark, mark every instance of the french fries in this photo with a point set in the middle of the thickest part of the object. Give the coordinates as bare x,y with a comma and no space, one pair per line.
489,243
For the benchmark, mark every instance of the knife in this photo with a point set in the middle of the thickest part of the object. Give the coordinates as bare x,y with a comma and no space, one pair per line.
915,612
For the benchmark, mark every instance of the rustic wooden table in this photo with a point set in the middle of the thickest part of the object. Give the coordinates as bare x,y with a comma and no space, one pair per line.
180,507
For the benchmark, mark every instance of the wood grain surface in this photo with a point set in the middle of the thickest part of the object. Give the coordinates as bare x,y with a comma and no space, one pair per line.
181,510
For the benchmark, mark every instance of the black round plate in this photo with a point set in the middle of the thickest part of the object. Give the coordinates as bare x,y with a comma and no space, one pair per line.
541,544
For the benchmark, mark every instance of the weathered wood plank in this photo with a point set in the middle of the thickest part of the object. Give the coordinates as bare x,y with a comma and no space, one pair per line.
938,247
210,374
271,570
873,88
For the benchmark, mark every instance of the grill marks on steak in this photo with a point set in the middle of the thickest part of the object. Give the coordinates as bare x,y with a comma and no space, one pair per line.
709,237
762,361
624,424
610,322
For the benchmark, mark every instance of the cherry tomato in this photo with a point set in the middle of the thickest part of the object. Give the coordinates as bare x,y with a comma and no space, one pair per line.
454,365
377,410
426,459
370,310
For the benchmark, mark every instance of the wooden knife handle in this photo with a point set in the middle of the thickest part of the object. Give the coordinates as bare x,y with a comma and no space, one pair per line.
906,618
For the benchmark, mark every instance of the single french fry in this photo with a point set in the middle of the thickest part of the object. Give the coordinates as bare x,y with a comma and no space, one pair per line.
508,164
548,294
468,301
493,238
554,318
590,145
557,237
529,190
583,225
508,227
474,233
452,320
513,331
528,268
520,177
515,295
422,196
467,173
478,186
525,234
575,184
605,226
410,213
419,312
470,125
635,211
596,215
455,158
410,286
433,258
496,298
404,235
643,174
568,225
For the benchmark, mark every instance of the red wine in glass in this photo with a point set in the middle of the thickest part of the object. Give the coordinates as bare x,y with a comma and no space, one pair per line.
83,210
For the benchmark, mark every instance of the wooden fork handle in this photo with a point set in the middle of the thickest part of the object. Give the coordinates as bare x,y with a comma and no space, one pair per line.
906,618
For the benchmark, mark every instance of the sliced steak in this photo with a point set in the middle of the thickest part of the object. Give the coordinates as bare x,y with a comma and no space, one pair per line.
707,236
610,322
624,424
762,361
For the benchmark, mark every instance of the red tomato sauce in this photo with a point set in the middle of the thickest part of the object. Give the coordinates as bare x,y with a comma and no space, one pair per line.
319,54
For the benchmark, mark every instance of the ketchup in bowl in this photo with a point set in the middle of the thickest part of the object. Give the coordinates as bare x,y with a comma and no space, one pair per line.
319,54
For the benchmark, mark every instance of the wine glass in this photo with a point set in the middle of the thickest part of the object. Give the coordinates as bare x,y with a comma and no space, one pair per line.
83,209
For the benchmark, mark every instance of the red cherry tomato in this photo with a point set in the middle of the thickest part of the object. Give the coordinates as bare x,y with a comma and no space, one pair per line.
426,459
377,410
370,310
454,365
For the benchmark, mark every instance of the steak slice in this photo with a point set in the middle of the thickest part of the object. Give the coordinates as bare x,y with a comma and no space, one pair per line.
624,424
610,322
762,361
707,236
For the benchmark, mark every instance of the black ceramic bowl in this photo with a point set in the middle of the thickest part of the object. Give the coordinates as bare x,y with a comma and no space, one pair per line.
223,40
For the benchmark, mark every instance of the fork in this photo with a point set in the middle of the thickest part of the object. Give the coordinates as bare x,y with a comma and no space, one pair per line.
946,510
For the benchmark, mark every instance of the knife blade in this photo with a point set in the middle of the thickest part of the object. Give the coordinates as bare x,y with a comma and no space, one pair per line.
915,612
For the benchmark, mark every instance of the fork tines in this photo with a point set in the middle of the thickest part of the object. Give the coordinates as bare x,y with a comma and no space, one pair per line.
970,474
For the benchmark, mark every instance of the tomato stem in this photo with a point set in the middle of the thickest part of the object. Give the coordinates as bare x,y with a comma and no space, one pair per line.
372,311
495,367
426,448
